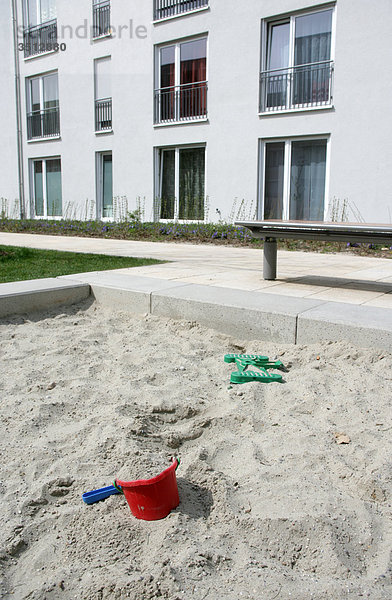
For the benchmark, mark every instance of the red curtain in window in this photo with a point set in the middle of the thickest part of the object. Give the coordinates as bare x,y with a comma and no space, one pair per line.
193,79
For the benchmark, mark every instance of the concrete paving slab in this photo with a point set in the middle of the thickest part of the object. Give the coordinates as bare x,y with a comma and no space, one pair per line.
40,294
384,301
374,272
345,294
240,280
247,315
121,280
364,326
292,290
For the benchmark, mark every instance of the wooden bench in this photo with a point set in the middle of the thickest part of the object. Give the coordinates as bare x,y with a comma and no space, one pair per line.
270,231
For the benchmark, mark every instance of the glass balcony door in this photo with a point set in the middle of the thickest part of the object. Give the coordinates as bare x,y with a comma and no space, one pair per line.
181,183
104,166
312,53
47,187
43,105
298,65
294,179
278,60
181,92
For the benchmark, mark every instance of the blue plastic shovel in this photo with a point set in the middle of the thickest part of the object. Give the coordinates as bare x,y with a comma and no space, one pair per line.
101,494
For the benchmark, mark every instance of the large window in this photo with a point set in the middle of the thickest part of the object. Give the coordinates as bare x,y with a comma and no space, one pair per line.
43,112
294,179
40,31
181,183
103,94
104,185
181,82
297,62
46,186
164,9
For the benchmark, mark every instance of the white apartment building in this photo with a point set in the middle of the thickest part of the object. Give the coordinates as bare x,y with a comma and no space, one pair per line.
189,108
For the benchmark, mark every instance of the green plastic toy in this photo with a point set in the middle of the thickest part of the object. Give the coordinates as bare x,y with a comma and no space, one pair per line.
246,376
243,364
230,358
262,363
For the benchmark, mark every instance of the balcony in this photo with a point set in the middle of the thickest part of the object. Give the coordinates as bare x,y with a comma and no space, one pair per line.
43,123
101,18
40,38
170,8
103,115
302,86
181,103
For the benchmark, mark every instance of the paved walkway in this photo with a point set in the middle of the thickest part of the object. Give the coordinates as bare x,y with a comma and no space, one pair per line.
342,278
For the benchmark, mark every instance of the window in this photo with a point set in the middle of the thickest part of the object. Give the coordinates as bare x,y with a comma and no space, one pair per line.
294,179
43,116
101,18
103,94
181,183
104,185
181,93
297,66
46,179
170,8
40,32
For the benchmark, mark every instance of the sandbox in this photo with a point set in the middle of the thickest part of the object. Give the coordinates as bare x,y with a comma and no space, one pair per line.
271,505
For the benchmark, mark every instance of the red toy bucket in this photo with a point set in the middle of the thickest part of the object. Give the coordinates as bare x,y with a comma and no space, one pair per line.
152,499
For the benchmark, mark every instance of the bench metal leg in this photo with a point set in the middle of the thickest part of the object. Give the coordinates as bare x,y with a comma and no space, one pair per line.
270,258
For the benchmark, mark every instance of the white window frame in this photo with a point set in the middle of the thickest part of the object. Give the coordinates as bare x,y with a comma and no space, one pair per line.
44,187
26,6
290,17
177,71
99,185
158,188
29,102
40,78
287,171
177,57
96,99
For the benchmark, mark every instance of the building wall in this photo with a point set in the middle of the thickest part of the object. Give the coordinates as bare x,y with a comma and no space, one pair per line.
358,126
9,192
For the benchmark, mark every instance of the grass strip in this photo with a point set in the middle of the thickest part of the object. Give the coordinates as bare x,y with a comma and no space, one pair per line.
18,264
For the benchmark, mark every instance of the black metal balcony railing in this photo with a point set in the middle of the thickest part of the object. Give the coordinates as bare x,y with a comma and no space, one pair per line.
40,38
186,102
43,123
170,8
101,18
103,114
302,86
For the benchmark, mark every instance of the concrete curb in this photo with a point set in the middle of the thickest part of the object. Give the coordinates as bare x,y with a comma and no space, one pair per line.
239,313
361,325
22,297
244,314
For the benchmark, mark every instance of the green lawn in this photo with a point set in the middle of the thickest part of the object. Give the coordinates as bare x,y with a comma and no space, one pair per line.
17,264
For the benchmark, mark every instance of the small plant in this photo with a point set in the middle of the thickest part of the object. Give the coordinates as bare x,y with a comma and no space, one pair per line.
232,215
134,216
338,210
4,208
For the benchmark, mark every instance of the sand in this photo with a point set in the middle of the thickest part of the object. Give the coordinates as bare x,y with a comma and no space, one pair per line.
272,506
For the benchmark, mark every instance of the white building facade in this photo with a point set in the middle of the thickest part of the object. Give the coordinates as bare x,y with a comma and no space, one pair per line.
197,110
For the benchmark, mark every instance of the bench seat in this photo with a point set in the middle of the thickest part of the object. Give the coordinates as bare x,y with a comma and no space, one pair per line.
270,231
